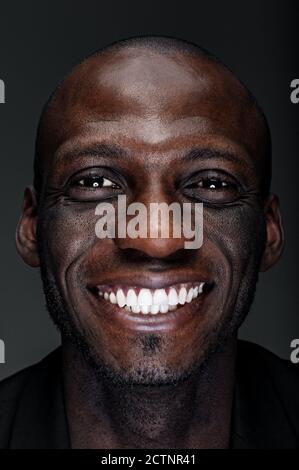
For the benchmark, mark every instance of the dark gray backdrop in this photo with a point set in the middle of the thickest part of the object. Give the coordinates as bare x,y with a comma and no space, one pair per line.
41,40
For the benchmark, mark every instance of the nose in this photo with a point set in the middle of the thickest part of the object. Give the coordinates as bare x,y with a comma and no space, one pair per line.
157,229
153,248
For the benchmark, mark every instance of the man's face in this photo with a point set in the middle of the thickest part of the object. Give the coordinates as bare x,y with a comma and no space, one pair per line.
157,128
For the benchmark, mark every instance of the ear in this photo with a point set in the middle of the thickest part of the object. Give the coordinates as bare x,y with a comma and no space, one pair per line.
275,235
26,230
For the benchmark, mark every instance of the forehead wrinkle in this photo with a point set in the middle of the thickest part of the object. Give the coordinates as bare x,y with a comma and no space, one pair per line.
210,153
152,142
160,131
71,150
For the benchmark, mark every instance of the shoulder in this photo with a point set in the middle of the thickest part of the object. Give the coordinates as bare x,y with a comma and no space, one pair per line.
13,385
13,389
282,372
269,398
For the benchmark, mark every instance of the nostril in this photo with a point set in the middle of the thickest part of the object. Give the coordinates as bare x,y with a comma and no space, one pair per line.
133,256
149,248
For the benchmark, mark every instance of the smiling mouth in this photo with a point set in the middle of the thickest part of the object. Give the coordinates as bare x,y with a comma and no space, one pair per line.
140,300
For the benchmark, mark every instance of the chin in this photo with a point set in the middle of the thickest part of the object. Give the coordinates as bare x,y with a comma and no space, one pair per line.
149,369
145,376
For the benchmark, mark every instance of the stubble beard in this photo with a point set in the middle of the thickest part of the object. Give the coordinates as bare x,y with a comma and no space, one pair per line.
149,370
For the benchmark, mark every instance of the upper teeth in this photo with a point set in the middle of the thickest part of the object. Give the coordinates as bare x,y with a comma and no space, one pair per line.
152,301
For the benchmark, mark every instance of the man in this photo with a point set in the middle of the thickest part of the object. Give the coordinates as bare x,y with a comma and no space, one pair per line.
149,355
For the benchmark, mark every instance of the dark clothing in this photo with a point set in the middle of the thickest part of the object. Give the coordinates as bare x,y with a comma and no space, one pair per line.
265,411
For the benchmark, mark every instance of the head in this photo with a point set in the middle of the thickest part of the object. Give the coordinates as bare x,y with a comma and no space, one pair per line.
158,120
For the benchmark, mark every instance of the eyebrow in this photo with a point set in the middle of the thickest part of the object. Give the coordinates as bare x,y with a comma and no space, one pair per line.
210,153
103,149
94,150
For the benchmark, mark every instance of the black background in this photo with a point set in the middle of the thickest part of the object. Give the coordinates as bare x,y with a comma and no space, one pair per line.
41,41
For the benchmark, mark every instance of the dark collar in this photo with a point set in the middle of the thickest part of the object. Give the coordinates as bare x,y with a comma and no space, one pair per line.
260,419
40,419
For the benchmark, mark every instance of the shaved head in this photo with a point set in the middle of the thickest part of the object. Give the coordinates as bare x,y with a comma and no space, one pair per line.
111,63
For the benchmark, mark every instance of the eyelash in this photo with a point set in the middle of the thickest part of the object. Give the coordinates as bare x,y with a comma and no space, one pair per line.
213,188
210,186
96,185
214,181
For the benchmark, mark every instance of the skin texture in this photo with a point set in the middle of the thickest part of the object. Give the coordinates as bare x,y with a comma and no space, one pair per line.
154,124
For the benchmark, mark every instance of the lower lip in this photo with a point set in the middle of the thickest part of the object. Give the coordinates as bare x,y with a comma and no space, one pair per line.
161,322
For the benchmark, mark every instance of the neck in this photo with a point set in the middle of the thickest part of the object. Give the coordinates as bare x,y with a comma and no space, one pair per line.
192,414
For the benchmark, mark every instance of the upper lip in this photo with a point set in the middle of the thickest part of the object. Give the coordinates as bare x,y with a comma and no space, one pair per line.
151,280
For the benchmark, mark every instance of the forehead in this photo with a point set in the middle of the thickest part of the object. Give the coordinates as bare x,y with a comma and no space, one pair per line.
151,98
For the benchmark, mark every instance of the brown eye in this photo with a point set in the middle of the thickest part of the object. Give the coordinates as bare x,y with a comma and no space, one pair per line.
96,182
212,183
209,187
93,186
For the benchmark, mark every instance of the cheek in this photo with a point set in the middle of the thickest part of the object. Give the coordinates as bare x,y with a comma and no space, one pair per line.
237,233
66,234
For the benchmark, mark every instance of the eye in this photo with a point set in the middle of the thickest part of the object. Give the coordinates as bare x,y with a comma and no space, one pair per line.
212,186
93,186
212,183
96,182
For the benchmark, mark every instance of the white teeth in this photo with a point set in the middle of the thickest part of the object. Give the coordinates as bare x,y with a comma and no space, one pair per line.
163,308
145,297
173,297
182,295
112,298
189,295
131,298
160,297
135,309
195,292
153,302
145,309
154,309
121,298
